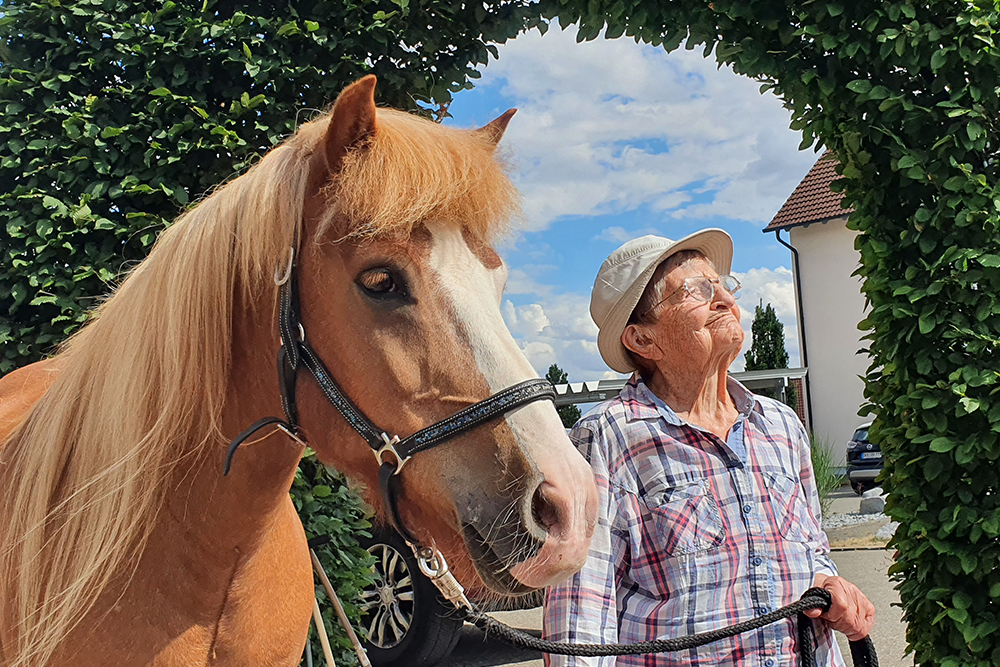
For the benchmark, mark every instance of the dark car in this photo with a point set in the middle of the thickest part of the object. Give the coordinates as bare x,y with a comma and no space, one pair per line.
864,460
407,622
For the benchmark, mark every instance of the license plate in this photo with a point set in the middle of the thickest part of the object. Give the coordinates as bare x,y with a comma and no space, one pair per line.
871,455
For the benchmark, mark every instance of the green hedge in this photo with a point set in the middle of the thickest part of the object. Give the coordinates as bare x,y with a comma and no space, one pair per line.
329,507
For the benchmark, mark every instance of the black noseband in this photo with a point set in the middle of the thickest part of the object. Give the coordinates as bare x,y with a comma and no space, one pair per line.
391,452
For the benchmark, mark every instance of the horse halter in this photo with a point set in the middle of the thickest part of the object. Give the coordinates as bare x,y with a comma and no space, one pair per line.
391,452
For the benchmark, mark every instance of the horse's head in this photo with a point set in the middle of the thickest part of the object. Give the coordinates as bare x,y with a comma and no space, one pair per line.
400,295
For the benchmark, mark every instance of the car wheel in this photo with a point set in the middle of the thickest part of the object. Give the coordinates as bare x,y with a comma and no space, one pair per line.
406,620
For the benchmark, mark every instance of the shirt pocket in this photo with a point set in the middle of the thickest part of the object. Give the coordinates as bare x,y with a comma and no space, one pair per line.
787,505
686,519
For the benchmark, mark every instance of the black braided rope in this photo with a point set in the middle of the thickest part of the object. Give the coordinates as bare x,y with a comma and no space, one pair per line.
814,598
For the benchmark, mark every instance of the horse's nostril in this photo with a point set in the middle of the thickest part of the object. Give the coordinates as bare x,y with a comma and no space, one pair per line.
544,512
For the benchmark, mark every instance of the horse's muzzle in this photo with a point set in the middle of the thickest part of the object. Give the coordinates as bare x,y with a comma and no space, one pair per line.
536,540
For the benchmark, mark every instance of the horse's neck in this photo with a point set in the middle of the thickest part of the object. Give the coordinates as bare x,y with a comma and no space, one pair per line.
224,578
225,571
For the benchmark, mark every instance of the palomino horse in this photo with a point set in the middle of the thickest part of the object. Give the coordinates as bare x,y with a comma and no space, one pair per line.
123,544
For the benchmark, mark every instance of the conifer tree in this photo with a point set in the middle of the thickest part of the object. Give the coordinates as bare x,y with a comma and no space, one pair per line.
768,348
569,414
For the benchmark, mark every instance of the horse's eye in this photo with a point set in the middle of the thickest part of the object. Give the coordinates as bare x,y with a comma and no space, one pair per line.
381,282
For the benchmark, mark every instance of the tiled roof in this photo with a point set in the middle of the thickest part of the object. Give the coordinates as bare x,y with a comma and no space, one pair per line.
812,200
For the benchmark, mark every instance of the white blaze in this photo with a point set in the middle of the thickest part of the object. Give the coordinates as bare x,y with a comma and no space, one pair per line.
475,294
568,488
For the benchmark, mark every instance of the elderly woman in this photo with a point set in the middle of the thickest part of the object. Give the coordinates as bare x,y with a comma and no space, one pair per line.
709,513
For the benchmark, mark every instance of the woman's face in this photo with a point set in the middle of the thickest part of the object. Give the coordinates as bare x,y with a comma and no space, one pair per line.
688,329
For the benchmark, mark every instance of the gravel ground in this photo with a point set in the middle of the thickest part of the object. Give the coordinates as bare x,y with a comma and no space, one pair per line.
849,519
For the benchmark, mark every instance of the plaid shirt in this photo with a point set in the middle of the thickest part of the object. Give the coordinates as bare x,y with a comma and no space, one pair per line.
694,534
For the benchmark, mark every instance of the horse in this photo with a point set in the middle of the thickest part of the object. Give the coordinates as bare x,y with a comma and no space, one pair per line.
122,543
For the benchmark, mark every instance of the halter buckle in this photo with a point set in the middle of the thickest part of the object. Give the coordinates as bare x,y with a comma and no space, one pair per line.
390,448
433,566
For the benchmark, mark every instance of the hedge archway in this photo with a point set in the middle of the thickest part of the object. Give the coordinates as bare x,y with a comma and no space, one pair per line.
908,96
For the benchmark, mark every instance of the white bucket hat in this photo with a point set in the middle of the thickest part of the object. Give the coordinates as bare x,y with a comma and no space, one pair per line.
626,272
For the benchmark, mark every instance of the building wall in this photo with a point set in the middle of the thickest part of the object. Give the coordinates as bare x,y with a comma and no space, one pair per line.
832,306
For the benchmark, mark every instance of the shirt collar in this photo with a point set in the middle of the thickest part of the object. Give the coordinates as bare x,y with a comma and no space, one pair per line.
641,403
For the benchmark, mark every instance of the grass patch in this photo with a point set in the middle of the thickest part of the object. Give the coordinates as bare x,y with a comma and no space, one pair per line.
827,479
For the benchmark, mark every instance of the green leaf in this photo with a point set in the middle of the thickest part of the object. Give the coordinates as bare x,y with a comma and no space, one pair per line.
290,28
72,128
160,92
859,86
990,261
53,203
879,93
969,405
942,445
939,59
955,183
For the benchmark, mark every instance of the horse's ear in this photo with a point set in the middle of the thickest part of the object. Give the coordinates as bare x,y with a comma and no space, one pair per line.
352,120
495,129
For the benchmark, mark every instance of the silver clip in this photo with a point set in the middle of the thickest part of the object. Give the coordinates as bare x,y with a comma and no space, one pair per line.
433,566
390,448
281,277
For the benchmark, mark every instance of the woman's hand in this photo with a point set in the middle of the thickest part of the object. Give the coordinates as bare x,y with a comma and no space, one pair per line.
850,611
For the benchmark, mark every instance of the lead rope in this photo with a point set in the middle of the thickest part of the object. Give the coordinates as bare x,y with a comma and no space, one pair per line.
432,564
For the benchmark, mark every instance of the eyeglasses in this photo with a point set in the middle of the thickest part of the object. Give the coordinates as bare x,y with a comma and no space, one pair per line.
702,288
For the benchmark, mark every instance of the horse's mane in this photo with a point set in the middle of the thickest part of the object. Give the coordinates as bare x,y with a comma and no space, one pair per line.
142,386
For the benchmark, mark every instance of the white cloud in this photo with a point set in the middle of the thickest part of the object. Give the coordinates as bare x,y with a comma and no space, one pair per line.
607,126
568,337
772,286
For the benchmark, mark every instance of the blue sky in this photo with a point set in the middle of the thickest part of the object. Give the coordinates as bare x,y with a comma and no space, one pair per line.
613,140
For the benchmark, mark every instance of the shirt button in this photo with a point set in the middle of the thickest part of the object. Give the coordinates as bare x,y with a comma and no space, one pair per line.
747,509
769,662
764,610
757,560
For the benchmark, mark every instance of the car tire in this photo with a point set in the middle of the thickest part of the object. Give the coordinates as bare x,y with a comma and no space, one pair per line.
406,620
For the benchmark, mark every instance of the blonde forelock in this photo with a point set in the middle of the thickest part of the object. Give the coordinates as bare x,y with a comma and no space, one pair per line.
412,170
